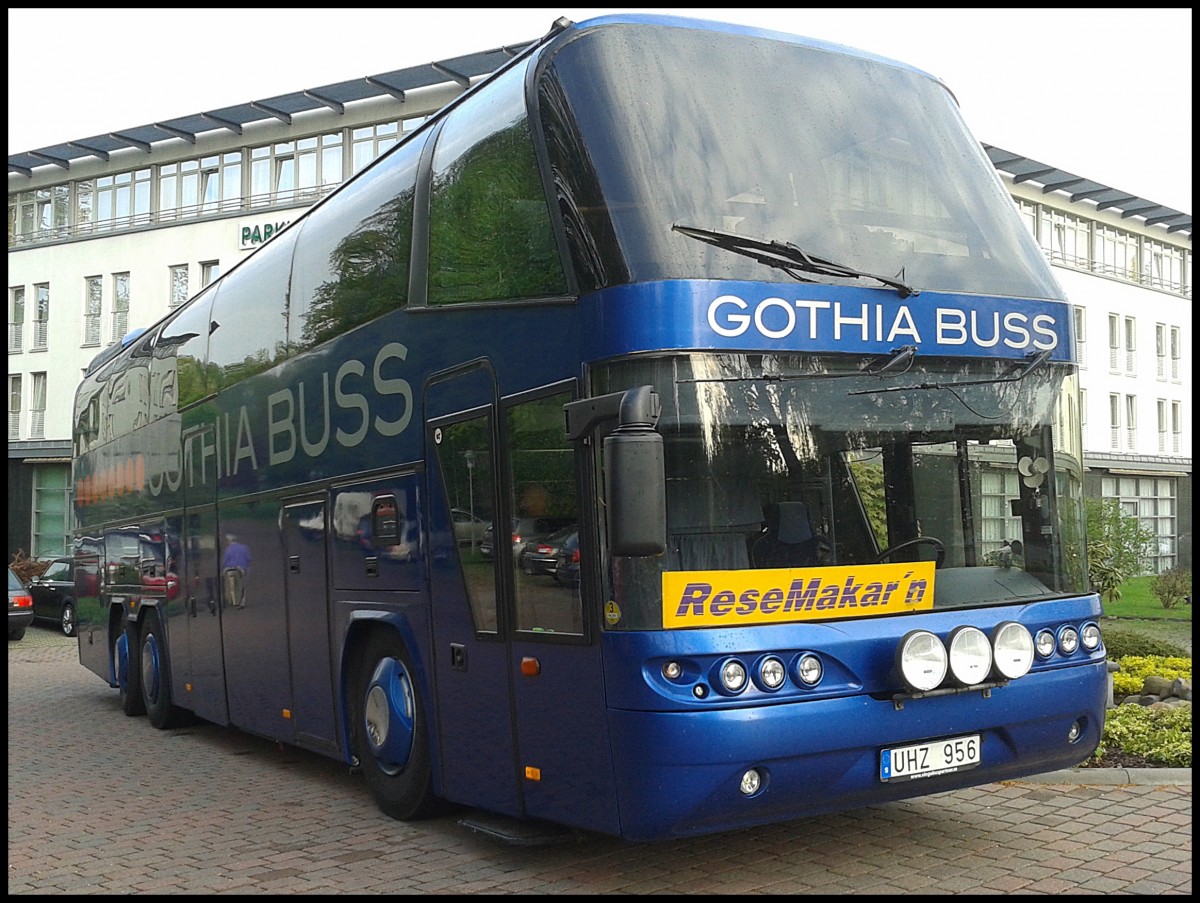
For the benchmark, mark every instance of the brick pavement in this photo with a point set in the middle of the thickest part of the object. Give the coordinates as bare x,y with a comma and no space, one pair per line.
100,803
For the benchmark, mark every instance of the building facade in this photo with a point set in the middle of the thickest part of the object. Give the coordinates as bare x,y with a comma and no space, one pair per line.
107,234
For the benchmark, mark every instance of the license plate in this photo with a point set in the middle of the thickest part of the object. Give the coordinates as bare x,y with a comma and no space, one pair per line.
924,760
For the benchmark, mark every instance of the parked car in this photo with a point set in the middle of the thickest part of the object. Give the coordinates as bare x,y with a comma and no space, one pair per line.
540,556
566,568
468,528
20,607
524,529
54,594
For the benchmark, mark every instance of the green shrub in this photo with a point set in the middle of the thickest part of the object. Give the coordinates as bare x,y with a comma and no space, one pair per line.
1172,586
1124,641
1162,737
1136,668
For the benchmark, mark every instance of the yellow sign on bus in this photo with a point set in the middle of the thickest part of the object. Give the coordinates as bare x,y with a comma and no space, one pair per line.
776,596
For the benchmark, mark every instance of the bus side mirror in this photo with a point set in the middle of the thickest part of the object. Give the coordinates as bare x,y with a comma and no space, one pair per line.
635,478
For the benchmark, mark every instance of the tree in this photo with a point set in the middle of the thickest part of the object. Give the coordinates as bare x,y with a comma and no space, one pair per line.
1116,545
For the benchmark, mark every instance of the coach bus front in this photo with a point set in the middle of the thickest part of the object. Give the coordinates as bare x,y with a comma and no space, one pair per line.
842,555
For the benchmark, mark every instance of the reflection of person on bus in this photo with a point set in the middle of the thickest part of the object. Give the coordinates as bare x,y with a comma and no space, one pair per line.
235,565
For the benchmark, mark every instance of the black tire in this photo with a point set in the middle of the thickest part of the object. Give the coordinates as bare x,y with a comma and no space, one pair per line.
128,673
156,674
389,730
67,621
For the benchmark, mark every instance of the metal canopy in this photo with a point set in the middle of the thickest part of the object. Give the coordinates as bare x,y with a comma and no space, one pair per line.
282,107
1105,197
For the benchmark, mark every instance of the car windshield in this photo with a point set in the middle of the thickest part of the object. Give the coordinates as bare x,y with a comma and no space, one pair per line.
14,582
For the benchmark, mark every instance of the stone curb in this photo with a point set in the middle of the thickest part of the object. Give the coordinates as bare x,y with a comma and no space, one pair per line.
1110,776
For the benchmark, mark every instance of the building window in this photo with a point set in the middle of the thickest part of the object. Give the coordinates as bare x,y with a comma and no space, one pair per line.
1176,427
93,309
1162,424
16,318
51,527
1083,417
40,213
1131,422
1162,266
210,270
41,316
295,170
1080,336
1116,253
1066,237
1130,346
208,185
179,285
1114,343
14,406
1152,500
1176,352
997,525
1114,421
116,201
37,405
1029,215
120,309
372,141
1160,349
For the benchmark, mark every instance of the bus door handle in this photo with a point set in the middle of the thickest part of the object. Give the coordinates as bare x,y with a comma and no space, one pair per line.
294,564
192,606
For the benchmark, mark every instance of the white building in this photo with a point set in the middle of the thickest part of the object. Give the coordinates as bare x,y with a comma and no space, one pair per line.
107,233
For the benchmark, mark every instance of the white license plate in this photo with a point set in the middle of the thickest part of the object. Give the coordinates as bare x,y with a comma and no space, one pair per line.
924,760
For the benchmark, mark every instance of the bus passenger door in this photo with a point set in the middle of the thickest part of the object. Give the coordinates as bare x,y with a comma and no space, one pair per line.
475,745
305,575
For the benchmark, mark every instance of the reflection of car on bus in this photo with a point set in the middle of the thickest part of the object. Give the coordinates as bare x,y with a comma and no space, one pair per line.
524,530
468,528
566,564
540,556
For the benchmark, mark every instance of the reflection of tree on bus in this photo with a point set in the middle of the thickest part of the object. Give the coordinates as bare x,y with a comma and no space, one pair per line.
235,565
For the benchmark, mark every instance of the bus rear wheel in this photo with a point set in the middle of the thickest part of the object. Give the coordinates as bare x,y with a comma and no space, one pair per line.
156,674
389,730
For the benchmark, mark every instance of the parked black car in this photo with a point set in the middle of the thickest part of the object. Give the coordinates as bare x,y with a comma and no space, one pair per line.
54,594
524,530
20,607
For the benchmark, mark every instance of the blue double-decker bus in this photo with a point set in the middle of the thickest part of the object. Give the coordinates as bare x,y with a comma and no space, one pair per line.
677,433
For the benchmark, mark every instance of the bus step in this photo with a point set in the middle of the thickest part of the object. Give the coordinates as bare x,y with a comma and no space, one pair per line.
518,831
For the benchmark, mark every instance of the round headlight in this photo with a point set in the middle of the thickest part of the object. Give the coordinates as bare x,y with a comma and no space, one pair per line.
672,670
921,660
733,676
809,670
1045,643
1090,637
970,655
1068,640
1012,647
772,673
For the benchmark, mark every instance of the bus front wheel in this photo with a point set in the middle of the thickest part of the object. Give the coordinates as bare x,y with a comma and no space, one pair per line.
389,730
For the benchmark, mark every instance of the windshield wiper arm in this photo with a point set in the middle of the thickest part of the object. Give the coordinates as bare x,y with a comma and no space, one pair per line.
783,255
1032,362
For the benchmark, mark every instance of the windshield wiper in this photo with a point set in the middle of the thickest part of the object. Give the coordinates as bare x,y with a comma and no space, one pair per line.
783,255
1031,362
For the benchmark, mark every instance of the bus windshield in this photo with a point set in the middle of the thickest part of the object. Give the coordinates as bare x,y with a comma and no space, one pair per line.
864,164
809,461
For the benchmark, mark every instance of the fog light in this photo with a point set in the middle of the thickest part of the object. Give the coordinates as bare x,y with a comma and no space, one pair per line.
751,782
733,676
672,670
1068,640
1044,643
1075,732
809,670
771,673
921,660
970,655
